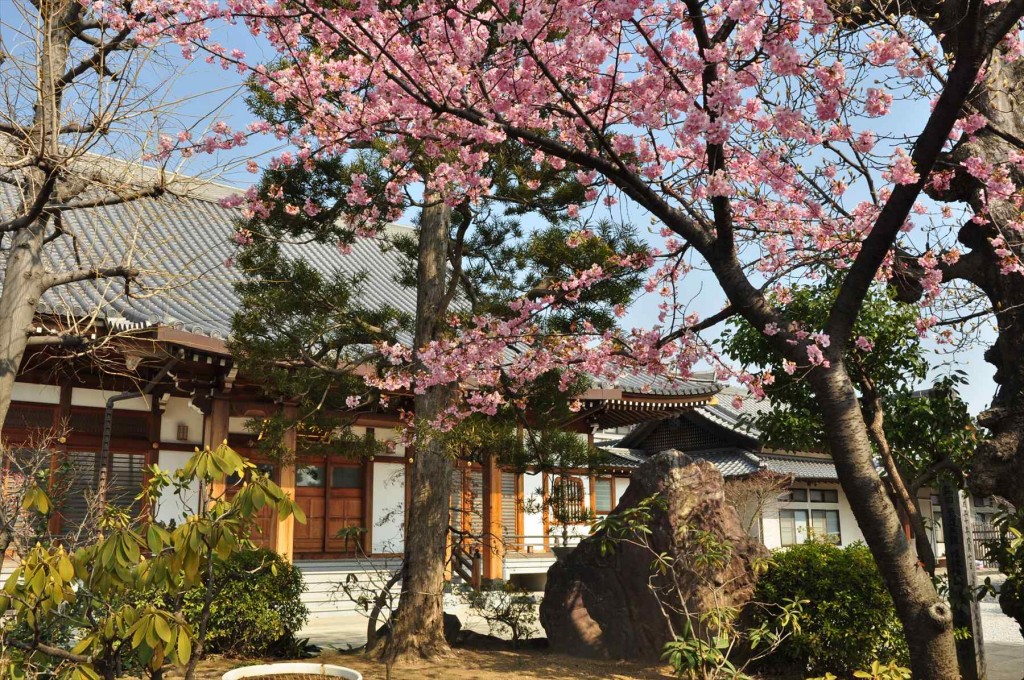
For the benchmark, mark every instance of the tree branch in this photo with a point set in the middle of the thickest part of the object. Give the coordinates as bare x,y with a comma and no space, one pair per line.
896,210
120,271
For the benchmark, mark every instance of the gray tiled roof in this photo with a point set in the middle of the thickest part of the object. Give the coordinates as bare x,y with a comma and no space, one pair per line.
735,462
800,467
731,462
742,419
183,247
624,458
698,383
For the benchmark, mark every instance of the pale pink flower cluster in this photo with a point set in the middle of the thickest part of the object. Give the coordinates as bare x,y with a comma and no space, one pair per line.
469,75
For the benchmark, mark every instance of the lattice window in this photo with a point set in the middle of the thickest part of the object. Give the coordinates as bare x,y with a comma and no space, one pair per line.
509,509
29,417
682,435
603,501
82,471
125,425
567,501
476,502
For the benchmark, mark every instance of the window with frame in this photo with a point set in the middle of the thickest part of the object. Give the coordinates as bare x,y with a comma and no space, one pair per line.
566,501
937,526
797,524
825,524
309,476
824,495
603,501
346,477
794,496
793,526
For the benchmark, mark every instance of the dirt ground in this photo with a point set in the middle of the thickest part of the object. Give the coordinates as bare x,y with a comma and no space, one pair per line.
468,664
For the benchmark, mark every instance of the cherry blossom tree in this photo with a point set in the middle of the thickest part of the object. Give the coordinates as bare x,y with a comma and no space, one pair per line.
761,136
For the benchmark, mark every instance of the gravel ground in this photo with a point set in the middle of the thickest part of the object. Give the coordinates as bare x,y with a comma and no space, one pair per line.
1004,646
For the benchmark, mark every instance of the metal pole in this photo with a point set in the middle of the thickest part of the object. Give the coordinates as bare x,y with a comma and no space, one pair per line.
108,426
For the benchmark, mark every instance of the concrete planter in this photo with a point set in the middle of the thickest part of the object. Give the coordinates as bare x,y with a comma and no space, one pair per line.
271,669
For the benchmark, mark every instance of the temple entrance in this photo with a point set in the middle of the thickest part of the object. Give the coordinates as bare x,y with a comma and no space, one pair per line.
331,495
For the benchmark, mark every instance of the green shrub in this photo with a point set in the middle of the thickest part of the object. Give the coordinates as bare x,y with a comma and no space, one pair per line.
257,607
848,620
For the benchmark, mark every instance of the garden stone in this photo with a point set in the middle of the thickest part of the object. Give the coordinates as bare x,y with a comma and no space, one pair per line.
601,606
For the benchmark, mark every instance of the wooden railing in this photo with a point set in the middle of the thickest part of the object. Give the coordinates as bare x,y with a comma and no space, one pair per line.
981,537
467,563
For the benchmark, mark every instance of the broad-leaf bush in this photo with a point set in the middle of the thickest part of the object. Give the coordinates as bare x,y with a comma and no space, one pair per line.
257,605
848,618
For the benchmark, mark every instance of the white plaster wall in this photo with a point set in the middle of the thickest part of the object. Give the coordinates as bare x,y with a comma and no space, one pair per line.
37,394
928,512
621,484
178,411
170,506
848,526
236,425
533,522
81,396
383,434
771,532
388,507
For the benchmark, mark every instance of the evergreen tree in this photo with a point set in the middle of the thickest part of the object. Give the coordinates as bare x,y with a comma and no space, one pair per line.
304,330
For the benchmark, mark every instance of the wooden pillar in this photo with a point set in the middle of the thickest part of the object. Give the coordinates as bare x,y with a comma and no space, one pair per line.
493,546
592,496
545,514
153,454
215,432
368,506
284,537
60,451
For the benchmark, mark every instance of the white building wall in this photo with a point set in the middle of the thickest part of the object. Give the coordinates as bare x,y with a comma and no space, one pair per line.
771,533
533,522
81,396
771,530
383,434
851,532
179,411
621,484
39,394
388,512
172,507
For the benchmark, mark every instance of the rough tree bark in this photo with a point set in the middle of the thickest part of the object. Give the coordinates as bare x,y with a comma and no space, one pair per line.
927,620
23,281
999,99
418,626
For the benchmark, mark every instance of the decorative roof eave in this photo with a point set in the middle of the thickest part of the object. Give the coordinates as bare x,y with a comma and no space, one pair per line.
622,410
204,343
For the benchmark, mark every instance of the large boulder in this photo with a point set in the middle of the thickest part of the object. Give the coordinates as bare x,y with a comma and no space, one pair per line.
603,605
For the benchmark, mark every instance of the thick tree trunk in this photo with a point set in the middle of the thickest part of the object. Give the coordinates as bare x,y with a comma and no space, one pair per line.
927,620
23,281
21,291
417,630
